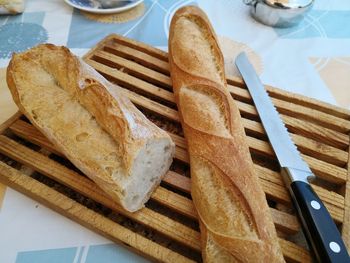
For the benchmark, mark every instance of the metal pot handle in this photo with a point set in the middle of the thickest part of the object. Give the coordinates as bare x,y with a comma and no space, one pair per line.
250,2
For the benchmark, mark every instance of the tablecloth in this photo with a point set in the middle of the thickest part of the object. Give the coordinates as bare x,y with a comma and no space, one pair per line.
312,59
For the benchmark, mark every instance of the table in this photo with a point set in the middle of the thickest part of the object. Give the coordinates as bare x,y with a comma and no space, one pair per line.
312,59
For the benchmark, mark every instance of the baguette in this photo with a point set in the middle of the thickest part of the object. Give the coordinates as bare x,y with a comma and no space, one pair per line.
234,218
98,129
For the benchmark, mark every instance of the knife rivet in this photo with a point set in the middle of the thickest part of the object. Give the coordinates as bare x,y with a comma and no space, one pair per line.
334,247
315,205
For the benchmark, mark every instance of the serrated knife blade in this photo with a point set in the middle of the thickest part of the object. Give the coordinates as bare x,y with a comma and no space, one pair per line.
285,149
320,230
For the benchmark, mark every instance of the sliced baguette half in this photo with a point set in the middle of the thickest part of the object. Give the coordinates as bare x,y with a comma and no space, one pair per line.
86,117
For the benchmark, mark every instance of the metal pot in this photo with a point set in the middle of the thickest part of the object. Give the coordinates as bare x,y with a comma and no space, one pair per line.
279,13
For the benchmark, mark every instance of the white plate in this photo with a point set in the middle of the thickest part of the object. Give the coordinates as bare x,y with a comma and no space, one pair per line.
86,5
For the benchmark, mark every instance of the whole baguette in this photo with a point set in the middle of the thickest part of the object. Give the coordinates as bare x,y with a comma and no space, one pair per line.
91,122
234,217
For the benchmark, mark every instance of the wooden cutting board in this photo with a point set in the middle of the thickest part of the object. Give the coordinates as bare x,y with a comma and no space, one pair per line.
167,229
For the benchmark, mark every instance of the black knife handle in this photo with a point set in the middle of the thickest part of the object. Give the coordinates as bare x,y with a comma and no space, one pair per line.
319,228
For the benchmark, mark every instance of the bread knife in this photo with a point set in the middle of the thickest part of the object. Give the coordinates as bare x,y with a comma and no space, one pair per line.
320,230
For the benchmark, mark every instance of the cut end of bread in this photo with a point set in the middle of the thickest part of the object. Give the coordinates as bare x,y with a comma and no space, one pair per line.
150,165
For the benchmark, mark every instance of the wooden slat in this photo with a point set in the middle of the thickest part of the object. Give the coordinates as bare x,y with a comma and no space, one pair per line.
299,111
307,146
155,52
29,132
152,106
178,181
326,171
323,152
330,197
271,181
239,93
175,202
295,126
182,155
254,128
316,132
138,56
283,219
133,68
309,102
178,140
275,192
84,216
133,82
8,122
302,127
294,253
325,120
296,99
